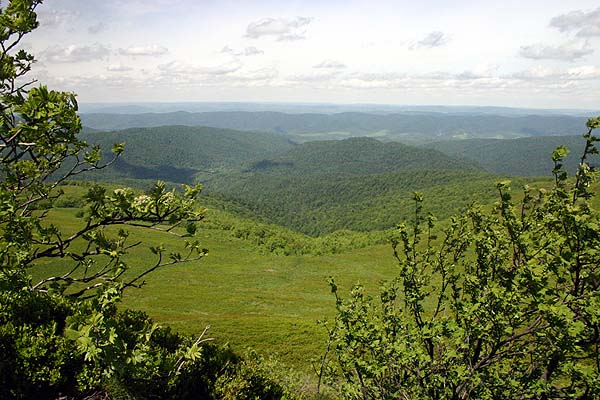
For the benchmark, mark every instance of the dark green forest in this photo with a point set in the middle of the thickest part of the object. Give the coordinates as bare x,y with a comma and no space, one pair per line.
528,156
316,187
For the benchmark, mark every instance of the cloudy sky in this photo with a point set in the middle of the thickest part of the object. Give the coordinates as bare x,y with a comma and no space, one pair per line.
464,52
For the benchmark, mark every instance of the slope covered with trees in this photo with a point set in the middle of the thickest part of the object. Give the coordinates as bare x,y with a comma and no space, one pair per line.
357,156
358,184
178,153
522,156
320,203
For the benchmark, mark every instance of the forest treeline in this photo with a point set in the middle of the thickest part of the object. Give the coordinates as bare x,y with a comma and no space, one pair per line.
358,184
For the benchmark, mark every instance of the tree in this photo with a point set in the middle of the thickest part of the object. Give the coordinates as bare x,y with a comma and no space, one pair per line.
40,150
63,334
503,303
49,335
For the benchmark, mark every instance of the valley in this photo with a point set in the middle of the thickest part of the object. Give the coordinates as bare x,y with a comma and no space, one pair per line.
299,200
285,216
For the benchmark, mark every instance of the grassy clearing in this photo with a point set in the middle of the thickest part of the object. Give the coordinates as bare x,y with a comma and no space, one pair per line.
267,302
270,303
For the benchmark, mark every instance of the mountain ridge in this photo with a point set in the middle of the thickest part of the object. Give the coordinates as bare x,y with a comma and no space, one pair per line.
397,126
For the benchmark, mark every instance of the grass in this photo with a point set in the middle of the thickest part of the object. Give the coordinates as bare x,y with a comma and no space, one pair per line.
266,302
270,303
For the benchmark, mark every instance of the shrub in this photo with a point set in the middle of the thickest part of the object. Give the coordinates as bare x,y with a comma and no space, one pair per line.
504,303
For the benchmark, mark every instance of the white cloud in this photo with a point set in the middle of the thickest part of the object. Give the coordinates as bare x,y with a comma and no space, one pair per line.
469,75
373,80
258,77
279,28
95,81
187,69
481,71
75,53
142,7
248,51
153,50
49,18
585,23
433,39
312,78
584,72
569,51
330,64
540,73
534,73
97,28
118,68
231,74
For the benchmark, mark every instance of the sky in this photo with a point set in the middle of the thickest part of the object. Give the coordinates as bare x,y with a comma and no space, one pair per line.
525,53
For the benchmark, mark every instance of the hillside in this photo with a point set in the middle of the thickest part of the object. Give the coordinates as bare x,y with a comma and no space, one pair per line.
319,204
316,188
178,153
308,126
359,184
523,156
357,156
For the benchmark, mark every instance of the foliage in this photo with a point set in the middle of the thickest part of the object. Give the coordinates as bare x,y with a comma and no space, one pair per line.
63,334
521,157
110,353
259,378
503,304
317,204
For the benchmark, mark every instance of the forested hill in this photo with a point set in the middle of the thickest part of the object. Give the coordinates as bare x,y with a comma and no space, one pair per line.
316,187
424,125
358,184
177,153
523,156
320,204
357,156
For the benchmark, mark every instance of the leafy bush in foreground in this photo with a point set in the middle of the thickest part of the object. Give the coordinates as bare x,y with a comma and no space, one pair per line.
503,304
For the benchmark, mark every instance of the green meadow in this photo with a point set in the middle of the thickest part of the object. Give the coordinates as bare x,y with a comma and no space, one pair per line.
250,296
251,299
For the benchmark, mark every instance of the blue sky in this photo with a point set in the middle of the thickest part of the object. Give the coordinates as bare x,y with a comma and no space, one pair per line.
513,53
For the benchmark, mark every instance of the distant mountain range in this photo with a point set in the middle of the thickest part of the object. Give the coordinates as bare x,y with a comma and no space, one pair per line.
523,156
319,108
408,126
184,153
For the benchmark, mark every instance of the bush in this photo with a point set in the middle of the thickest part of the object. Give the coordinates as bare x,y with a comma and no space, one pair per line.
503,304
